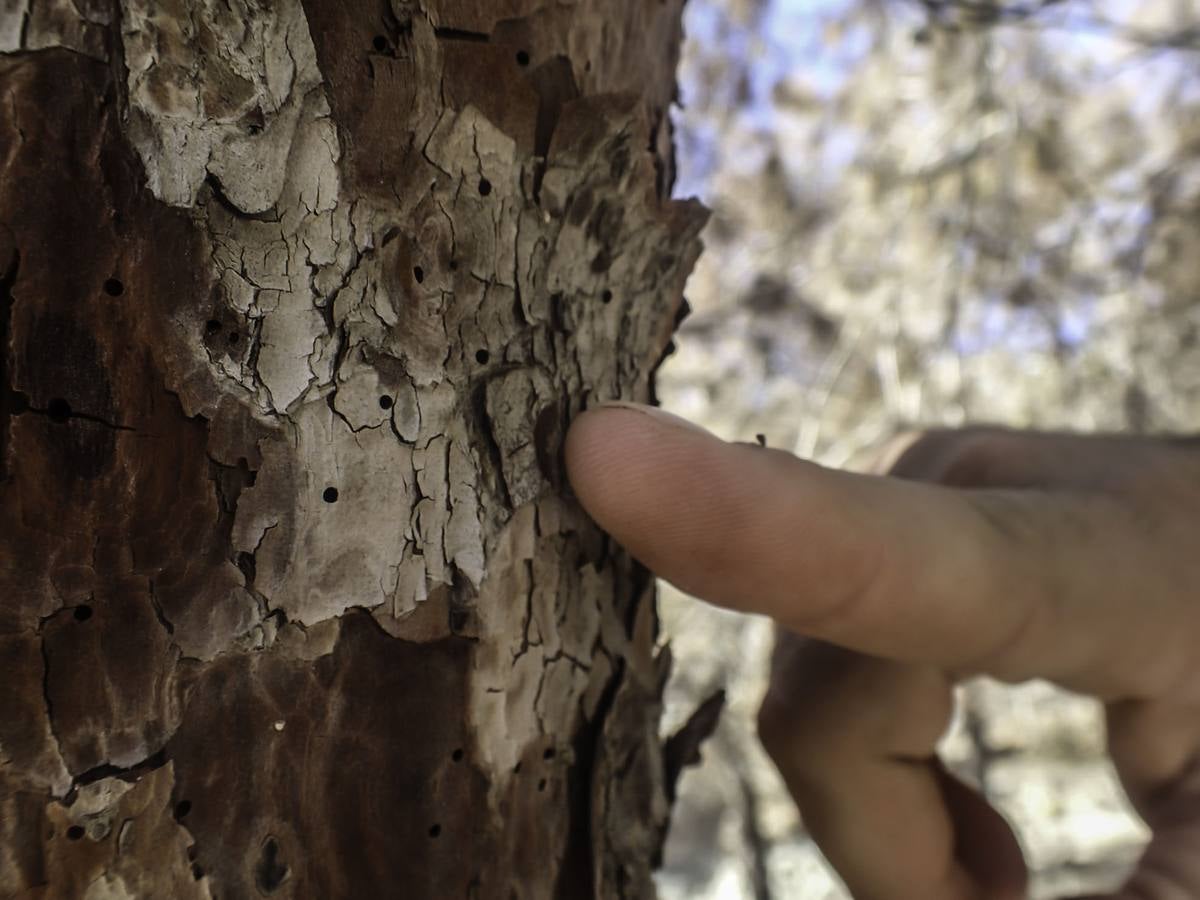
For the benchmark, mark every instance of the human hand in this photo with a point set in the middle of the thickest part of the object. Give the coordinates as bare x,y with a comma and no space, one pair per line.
985,552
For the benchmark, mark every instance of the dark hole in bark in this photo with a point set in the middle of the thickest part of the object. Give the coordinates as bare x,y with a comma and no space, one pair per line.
212,326
457,755
482,356
453,265
182,808
330,495
82,613
485,187
197,872
419,274
247,564
379,42
435,830
75,832
233,337
59,410
385,402
542,785
548,753
113,287
606,297
18,402
522,58
270,872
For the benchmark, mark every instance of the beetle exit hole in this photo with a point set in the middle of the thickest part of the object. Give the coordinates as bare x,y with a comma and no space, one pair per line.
330,495
75,832
485,187
82,613
113,287
270,871
59,410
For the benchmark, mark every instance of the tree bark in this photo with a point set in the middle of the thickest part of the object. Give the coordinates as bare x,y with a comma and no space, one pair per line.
296,302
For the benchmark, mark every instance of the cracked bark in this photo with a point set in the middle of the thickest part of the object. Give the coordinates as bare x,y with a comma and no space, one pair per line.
256,643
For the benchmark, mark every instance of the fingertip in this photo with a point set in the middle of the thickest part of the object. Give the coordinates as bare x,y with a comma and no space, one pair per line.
616,450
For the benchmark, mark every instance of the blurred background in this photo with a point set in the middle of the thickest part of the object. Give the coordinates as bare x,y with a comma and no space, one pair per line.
927,213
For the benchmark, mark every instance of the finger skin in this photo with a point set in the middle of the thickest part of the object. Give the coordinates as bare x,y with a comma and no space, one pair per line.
1063,557
853,737
1012,583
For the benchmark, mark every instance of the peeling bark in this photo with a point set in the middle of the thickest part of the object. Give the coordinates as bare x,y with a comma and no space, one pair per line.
296,301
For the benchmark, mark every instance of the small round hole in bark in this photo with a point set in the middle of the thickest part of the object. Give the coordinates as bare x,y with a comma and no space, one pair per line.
453,264
113,287
59,410
542,785
482,356
457,755
385,402
233,337
485,187
522,58
182,808
82,613
330,495
18,402
270,872
418,274
606,297
379,42
212,326
75,832
548,753
435,830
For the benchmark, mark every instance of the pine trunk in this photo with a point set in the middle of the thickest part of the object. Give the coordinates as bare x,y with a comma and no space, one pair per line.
296,302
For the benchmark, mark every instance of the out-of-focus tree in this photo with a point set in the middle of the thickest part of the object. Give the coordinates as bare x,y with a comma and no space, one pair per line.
969,210
929,213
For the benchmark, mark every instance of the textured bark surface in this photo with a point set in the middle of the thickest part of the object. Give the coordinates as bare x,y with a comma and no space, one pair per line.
296,300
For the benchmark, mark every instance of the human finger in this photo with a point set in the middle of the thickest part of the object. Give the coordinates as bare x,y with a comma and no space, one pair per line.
1014,583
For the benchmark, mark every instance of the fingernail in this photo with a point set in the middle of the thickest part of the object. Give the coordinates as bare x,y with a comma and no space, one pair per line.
660,416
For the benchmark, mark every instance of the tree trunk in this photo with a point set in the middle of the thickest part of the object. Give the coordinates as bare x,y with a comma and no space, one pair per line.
296,302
